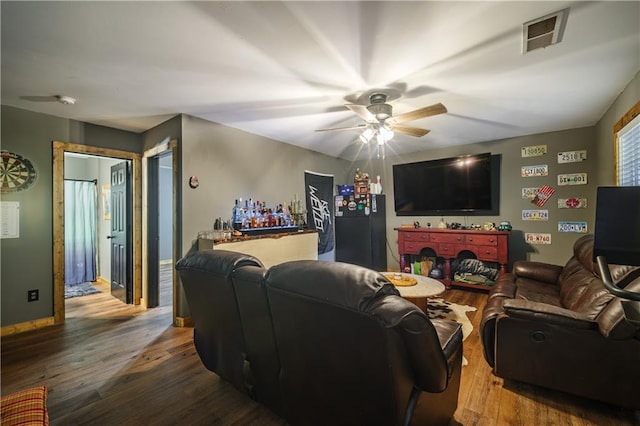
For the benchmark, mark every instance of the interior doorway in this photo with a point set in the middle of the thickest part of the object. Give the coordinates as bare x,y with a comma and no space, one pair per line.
160,192
64,153
161,216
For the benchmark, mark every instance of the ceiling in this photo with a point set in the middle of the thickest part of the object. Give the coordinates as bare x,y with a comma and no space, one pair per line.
284,69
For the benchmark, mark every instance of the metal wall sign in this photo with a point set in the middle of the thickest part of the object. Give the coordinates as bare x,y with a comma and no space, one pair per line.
543,195
538,170
535,214
572,179
572,203
572,156
529,193
537,238
533,151
575,227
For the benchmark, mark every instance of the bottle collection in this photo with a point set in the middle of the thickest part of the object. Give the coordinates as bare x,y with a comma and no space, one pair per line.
256,214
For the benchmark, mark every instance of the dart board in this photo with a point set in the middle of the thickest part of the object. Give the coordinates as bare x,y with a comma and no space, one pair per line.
16,172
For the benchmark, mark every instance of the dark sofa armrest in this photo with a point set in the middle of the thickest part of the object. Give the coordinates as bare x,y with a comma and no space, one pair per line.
545,313
544,272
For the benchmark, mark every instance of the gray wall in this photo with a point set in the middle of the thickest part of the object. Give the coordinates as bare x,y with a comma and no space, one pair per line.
511,203
30,135
231,163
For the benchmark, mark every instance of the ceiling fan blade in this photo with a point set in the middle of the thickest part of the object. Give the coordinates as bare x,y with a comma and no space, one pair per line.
434,109
362,112
359,126
411,131
40,98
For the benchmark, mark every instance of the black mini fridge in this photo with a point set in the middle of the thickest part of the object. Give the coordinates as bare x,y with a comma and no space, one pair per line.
360,230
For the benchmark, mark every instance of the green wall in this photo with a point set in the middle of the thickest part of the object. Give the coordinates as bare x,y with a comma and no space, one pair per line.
230,163
30,135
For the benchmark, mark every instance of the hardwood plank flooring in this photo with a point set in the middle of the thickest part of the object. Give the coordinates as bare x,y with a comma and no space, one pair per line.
114,364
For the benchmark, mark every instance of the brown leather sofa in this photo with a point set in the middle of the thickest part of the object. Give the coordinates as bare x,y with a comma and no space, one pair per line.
559,327
321,342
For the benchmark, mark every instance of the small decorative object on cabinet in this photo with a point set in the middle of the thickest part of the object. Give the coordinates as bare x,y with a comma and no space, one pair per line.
486,246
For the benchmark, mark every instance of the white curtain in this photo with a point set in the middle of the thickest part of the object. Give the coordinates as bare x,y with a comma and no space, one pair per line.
80,205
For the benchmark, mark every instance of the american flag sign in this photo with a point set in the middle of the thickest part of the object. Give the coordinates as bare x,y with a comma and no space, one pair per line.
544,193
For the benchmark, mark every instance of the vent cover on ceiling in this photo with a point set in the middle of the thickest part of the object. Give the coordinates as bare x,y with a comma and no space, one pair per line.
543,32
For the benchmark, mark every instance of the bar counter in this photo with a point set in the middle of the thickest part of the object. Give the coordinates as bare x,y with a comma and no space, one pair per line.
271,249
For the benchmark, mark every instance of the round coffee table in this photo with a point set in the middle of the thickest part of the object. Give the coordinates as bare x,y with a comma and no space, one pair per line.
419,293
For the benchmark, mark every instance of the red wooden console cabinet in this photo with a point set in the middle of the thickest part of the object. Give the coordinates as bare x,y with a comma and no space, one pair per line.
487,246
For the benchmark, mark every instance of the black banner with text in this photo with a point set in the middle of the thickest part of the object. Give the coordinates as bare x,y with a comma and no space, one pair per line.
319,199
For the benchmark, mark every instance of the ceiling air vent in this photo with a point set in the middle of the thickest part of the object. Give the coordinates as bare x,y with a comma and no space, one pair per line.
545,31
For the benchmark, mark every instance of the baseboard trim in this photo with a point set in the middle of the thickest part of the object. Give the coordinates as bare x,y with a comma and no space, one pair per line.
103,280
183,322
26,326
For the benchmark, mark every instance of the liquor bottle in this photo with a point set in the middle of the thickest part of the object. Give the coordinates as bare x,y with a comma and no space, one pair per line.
237,214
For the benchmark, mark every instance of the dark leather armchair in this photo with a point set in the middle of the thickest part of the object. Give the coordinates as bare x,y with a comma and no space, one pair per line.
322,342
559,327
352,351
217,332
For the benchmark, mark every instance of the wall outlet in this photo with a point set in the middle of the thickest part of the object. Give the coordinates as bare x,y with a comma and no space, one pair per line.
33,295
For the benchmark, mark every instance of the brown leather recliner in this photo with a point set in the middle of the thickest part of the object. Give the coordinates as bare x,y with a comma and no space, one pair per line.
217,332
559,327
322,342
353,352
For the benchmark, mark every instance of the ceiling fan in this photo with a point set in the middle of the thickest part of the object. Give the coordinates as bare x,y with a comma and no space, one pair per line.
381,123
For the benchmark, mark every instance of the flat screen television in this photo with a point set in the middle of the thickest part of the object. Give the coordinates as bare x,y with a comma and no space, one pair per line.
458,186
617,228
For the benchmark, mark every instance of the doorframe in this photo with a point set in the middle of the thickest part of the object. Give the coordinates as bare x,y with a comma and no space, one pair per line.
59,149
172,146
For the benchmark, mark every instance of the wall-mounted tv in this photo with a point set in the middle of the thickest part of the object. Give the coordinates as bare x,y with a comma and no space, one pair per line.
456,186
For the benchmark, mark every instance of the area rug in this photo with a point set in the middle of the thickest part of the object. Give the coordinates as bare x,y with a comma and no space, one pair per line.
438,308
77,290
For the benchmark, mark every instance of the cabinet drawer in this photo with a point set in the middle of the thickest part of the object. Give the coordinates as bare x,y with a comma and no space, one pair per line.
446,250
446,238
488,253
411,248
415,236
482,240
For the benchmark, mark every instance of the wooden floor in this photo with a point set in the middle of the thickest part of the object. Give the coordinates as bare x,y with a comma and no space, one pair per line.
113,364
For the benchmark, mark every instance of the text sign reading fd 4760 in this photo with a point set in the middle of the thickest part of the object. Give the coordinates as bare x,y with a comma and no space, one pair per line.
537,238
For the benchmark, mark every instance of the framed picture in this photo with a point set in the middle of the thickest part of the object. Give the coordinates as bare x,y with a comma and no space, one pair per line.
106,201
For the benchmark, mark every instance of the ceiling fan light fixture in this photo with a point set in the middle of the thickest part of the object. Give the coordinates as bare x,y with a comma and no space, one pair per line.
367,135
66,100
386,133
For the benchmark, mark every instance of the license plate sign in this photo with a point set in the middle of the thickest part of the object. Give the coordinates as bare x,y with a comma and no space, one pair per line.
572,156
575,227
572,179
539,170
533,151
535,214
529,193
537,238
572,203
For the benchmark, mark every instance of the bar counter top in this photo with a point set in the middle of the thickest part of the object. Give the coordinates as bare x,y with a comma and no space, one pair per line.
270,248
